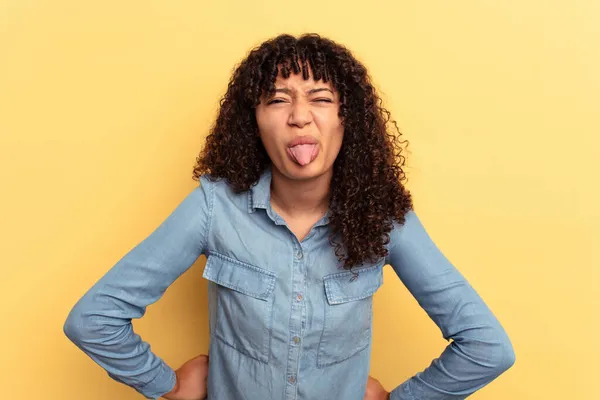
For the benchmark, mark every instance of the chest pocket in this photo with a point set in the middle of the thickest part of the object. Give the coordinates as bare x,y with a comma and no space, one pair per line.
244,314
348,314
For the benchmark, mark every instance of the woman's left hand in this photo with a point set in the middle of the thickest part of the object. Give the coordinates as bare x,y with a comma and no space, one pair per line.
375,390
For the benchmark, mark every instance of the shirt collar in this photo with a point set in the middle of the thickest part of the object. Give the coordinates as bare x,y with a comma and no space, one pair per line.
259,196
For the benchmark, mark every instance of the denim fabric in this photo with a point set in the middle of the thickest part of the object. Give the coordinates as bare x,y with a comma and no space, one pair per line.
286,321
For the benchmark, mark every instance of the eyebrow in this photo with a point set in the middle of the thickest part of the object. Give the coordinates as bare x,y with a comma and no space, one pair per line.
289,92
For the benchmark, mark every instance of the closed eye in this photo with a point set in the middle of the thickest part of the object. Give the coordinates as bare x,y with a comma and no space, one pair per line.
320,100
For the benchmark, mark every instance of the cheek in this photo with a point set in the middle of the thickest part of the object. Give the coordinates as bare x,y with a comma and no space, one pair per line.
332,130
337,140
267,140
266,129
269,122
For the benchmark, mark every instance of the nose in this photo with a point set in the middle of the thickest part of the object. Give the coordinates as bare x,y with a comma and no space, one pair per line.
300,114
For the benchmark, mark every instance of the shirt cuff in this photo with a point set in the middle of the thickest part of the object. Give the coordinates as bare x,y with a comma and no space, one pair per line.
162,384
402,392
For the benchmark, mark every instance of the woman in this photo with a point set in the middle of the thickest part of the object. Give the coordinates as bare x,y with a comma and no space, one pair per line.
300,206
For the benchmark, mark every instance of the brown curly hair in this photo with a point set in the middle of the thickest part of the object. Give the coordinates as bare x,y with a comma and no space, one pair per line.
367,193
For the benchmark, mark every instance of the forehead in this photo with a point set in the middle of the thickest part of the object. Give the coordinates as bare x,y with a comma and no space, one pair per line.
296,82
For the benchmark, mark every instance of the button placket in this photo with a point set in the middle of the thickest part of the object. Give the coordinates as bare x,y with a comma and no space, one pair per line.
296,326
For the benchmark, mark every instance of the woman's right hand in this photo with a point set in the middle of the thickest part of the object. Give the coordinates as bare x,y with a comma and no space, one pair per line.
191,380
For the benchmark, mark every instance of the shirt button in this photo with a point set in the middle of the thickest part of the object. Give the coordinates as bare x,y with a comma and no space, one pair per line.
299,254
296,339
299,297
292,379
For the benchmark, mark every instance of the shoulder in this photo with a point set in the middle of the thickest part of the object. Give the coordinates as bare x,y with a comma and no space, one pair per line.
218,190
411,223
408,233
213,184
411,244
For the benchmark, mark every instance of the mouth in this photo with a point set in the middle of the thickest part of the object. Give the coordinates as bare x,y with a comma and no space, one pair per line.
303,150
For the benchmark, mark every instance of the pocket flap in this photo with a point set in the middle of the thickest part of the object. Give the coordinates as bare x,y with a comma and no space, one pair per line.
239,276
346,286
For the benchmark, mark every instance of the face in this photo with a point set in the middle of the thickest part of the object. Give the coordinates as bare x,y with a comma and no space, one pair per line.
300,127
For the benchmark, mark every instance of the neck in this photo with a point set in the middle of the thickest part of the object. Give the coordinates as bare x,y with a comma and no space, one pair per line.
300,198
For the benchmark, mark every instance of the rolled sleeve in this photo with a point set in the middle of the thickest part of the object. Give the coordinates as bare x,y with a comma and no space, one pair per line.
100,322
479,348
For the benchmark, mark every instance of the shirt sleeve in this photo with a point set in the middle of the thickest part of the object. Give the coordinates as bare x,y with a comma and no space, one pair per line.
479,348
100,322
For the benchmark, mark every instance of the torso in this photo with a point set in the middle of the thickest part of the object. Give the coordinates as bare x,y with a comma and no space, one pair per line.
282,309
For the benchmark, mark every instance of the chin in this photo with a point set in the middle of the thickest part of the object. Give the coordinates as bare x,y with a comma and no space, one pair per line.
297,172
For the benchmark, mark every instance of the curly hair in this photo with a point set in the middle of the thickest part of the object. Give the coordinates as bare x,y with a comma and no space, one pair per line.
367,191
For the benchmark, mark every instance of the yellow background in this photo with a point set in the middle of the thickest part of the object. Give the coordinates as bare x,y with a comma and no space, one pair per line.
104,105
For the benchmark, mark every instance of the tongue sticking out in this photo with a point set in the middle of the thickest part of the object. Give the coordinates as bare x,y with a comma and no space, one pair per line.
303,153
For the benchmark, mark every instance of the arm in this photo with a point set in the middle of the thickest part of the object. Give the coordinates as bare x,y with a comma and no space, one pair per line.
100,322
480,349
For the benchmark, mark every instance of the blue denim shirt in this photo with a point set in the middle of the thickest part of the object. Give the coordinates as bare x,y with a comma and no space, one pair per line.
286,321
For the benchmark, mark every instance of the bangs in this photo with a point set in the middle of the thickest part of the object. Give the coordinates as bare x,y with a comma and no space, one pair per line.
292,56
306,64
